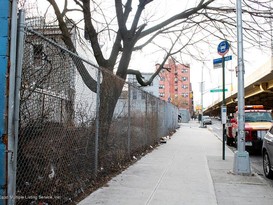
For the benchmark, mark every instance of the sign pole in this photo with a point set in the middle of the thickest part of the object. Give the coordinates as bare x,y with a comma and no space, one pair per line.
223,106
222,49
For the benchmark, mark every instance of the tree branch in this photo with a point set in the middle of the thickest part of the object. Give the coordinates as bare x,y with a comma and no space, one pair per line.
88,80
182,15
93,36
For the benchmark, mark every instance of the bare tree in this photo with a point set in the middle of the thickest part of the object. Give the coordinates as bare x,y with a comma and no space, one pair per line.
130,30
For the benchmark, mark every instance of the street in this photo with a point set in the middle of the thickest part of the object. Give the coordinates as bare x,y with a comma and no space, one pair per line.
256,159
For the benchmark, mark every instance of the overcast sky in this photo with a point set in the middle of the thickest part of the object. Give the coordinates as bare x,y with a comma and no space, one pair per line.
145,61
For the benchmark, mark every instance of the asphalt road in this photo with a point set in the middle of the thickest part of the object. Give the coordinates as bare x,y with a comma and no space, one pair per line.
255,158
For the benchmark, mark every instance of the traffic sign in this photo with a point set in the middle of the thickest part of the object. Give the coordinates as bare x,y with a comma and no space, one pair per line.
223,48
220,60
218,65
218,90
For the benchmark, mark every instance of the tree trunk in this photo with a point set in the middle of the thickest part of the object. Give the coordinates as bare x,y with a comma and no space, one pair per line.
111,89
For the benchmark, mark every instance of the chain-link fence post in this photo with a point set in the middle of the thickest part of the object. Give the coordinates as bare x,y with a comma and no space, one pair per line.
16,59
129,121
18,75
157,119
97,122
146,117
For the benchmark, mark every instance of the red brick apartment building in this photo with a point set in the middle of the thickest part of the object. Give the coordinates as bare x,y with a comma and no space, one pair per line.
175,85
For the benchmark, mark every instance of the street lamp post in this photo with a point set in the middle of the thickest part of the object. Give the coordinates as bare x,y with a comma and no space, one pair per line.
202,91
241,157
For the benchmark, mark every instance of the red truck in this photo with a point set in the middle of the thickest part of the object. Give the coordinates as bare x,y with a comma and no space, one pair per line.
257,122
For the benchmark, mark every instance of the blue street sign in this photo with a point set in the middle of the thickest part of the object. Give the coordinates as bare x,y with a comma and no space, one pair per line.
219,60
223,48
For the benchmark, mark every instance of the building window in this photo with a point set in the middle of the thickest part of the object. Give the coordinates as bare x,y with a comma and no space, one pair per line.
185,95
134,94
161,94
161,86
184,78
38,53
175,80
143,95
162,78
184,70
185,86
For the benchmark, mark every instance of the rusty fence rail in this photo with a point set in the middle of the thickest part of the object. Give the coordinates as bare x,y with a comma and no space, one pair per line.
60,154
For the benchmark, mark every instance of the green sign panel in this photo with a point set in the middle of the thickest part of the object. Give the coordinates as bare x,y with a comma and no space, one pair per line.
218,90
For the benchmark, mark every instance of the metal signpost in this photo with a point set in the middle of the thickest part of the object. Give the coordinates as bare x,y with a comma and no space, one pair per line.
222,49
241,157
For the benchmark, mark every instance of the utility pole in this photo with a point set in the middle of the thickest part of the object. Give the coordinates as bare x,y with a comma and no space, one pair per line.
202,91
241,157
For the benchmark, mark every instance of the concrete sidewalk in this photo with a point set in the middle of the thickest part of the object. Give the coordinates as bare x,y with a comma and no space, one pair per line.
187,170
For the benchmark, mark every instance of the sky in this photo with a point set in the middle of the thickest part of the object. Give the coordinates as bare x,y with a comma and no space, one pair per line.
145,61
213,77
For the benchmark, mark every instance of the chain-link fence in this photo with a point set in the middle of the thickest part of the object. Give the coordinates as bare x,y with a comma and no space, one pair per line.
68,138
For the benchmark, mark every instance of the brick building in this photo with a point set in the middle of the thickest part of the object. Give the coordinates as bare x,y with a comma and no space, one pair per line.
175,85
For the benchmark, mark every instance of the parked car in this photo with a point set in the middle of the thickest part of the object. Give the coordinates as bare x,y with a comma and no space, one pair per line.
267,152
257,122
206,120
